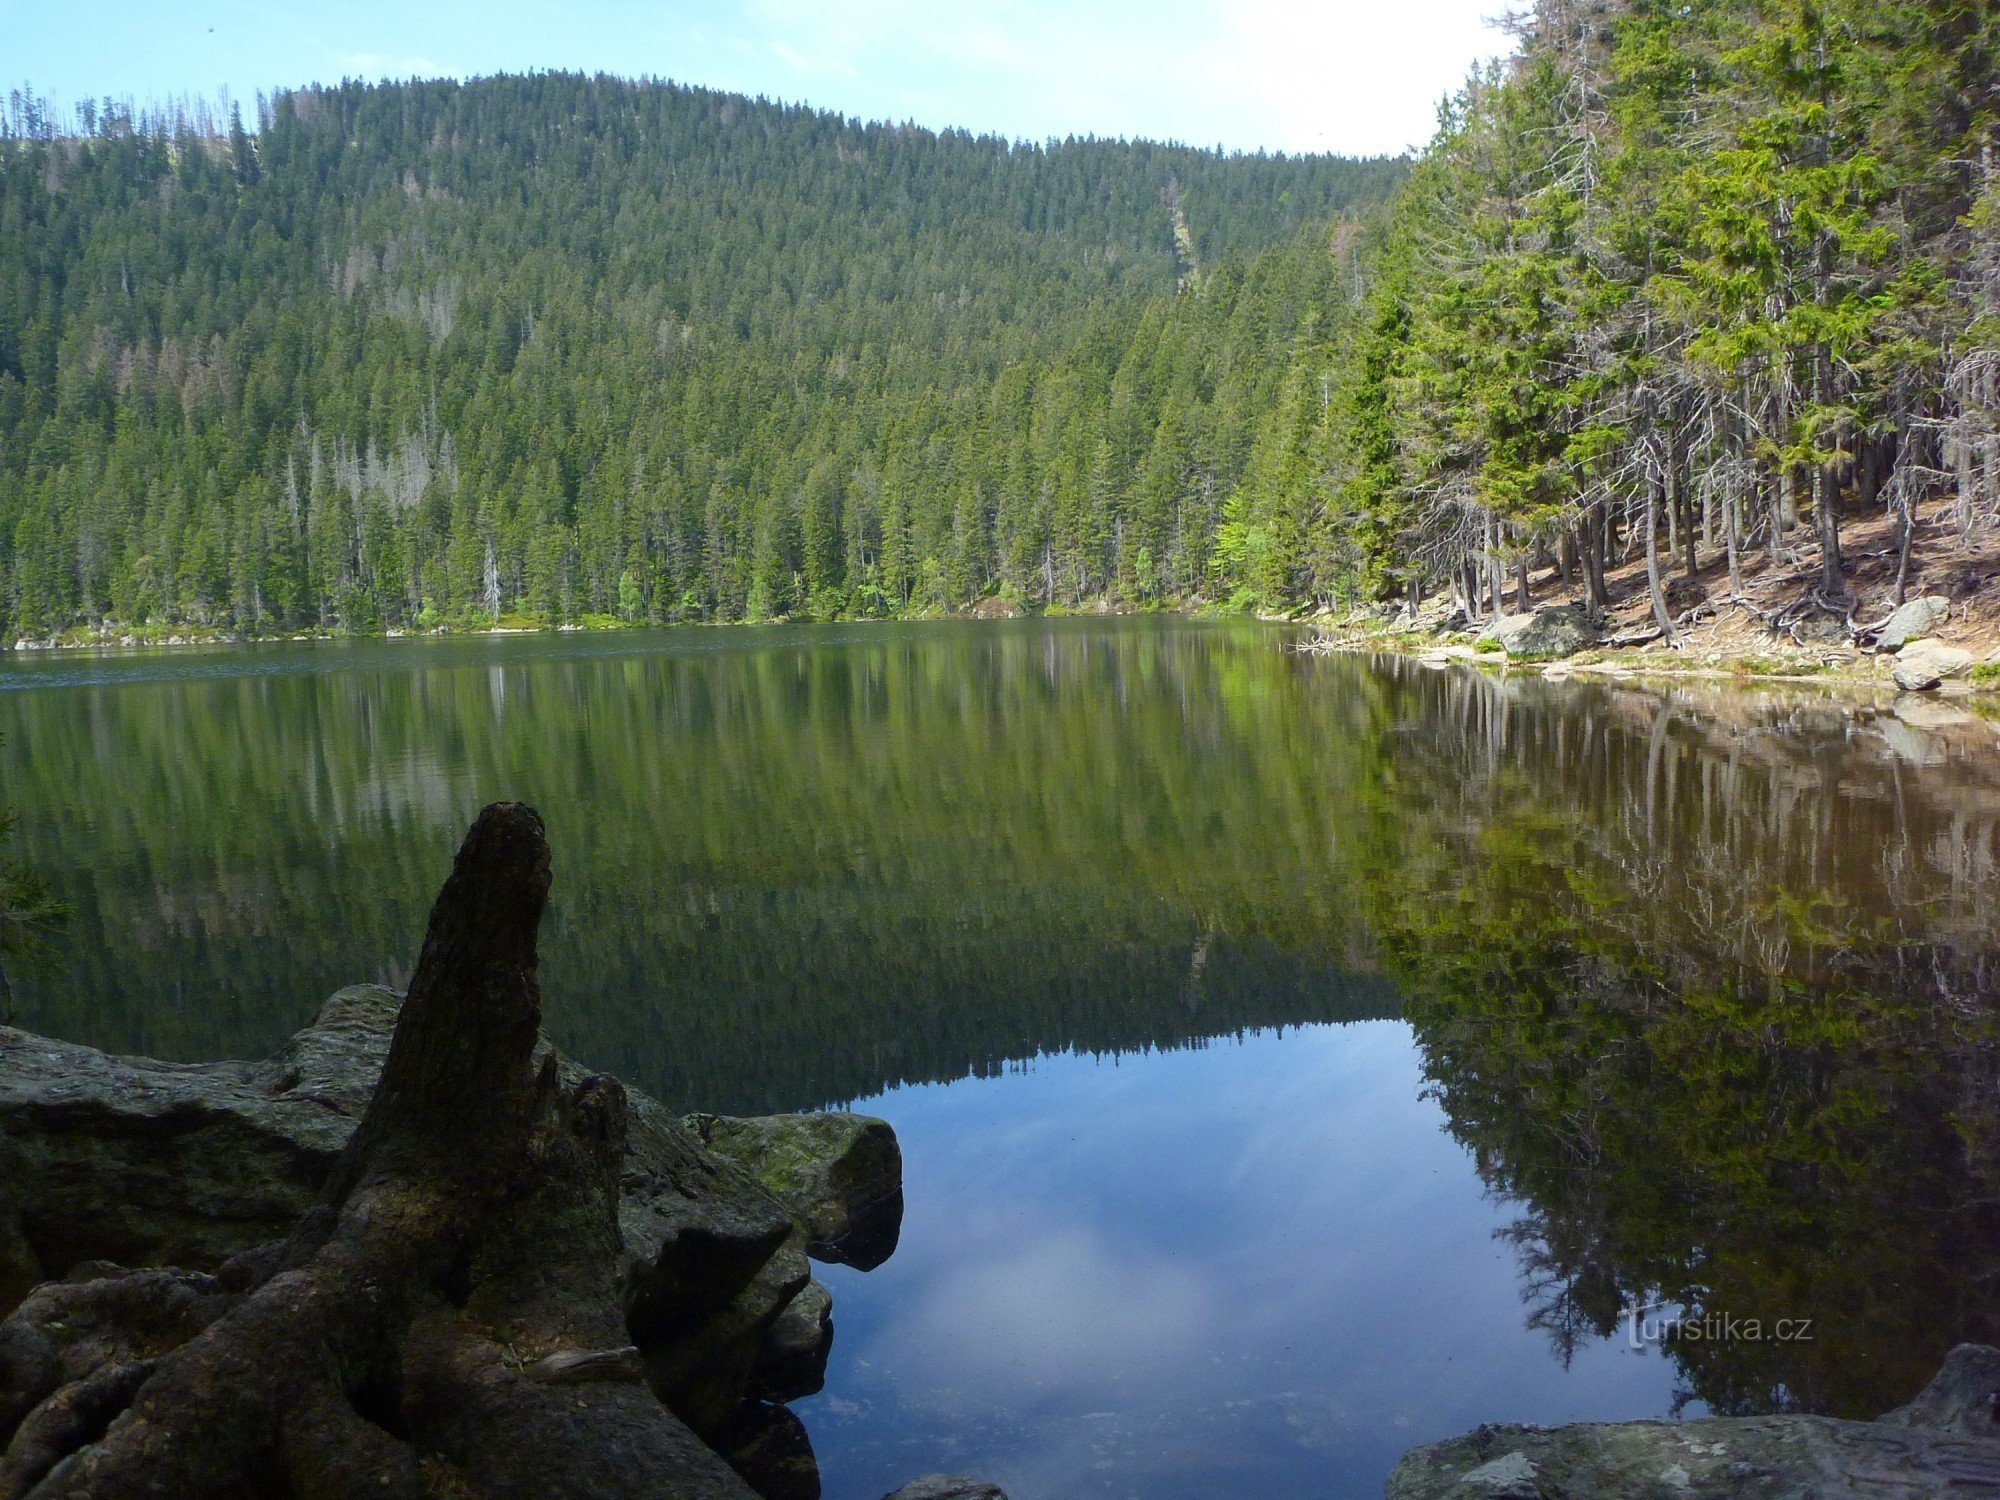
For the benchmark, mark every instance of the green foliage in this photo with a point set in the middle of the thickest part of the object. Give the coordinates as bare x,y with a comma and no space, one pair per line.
1730,245
559,347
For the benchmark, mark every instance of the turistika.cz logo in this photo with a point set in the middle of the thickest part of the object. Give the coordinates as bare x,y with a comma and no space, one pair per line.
1650,1323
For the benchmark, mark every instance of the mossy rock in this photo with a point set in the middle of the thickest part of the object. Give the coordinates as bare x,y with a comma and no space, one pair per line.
840,1175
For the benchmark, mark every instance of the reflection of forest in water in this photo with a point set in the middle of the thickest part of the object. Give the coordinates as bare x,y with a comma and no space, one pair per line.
1703,980
1706,982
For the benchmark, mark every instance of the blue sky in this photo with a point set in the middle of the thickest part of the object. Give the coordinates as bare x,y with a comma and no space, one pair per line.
1340,75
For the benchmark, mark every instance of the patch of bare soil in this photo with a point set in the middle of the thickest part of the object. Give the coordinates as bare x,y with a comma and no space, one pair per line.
1715,624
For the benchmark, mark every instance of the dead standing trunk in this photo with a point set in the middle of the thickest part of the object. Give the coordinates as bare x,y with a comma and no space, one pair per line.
445,1322
1653,590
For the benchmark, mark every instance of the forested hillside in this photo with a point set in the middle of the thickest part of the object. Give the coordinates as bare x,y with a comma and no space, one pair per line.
557,347
1689,281
1694,283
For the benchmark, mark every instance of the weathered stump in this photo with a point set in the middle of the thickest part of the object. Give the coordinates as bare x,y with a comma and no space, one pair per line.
446,1321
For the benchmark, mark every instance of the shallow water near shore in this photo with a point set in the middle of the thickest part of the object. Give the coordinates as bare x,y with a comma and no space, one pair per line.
1296,1058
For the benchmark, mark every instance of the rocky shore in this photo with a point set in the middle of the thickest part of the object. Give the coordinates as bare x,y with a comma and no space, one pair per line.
1945,1442
1926,645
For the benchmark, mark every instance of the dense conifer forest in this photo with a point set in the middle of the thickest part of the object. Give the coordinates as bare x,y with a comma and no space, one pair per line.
1687,281
1675,281
565,348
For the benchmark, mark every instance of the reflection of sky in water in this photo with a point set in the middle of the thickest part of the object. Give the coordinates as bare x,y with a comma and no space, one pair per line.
1259,1268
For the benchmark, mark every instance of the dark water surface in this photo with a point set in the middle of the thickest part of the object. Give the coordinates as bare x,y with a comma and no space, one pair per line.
1295,1058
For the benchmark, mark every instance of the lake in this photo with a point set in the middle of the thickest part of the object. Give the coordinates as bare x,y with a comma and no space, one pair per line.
1296,1058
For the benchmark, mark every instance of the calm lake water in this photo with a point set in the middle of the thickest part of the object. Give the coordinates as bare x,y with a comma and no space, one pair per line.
1295,1058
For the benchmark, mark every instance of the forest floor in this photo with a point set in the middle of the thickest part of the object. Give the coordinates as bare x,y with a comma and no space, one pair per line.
1724,638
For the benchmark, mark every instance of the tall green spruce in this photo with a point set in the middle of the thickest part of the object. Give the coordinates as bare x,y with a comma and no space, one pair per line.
560,348
1680,275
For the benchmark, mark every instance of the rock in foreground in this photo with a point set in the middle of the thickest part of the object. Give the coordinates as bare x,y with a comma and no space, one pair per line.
840,1175
141,1163
1946,1442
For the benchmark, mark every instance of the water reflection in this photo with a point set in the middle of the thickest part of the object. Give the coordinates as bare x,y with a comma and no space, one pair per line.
1255,1269
1700,987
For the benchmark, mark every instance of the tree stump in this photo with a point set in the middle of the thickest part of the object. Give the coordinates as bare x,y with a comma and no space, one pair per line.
446,1321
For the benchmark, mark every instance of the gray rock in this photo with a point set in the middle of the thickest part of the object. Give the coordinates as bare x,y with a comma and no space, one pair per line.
947,1487
152,1163
841,1175
140,1162
1554,630
1774,1458
791,1357
1944,1442
768,1447
1963,1397
1922,665
1509,1477
1912,620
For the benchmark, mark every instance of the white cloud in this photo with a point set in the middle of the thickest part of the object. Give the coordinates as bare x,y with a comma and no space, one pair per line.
380,65
1335,75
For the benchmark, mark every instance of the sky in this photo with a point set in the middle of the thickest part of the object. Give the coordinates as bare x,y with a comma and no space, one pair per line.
1354,76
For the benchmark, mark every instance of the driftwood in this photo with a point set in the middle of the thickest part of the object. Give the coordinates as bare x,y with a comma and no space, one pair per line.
446,1321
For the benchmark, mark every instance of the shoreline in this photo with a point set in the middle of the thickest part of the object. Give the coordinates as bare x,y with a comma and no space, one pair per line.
187,636
1846,670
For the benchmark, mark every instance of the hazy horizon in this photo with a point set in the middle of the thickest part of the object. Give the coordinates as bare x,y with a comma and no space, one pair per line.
1264,75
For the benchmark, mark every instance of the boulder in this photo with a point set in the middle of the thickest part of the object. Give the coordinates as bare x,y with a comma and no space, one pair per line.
1554,630
146,1163
791,1359
841,1175
1922,665
947,1487
1945,1441
768,1446
1963,1397
1912,621
993,607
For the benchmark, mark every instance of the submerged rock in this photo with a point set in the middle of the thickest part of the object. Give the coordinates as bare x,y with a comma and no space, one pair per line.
1911,621
1922,665
1943,1442
1554,630
841,1175
947,1487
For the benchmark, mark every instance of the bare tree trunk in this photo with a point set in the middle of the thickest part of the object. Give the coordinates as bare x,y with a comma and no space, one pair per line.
1673,509
1826,520
1591,543
1653,589
1825,479
1494,585
1905,526
1731,502
1683,501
